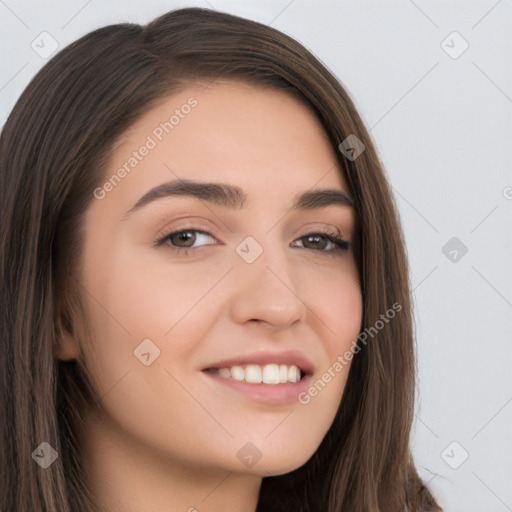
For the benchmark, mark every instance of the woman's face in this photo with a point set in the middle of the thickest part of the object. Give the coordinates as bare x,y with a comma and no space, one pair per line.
249,288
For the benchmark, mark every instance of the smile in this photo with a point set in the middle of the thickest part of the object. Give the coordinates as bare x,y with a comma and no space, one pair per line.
257,374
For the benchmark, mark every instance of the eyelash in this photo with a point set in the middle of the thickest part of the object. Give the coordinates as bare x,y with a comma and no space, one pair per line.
341,245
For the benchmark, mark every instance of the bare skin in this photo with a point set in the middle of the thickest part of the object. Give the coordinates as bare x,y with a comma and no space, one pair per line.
167,435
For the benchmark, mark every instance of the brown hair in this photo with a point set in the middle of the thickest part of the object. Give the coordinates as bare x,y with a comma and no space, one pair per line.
53,151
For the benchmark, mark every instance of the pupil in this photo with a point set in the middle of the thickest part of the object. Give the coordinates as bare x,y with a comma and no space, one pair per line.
315,239
186,236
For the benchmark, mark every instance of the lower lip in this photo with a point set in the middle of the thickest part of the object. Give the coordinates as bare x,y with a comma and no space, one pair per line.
271,394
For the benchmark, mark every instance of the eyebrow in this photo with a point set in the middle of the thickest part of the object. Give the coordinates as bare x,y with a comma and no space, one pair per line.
234,197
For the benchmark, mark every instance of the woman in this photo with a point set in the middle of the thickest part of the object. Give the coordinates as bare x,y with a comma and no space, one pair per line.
270,367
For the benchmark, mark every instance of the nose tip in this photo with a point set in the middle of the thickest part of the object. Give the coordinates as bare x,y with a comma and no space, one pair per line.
267,294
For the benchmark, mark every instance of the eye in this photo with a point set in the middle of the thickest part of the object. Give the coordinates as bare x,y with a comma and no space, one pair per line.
188,240
184,239
324,242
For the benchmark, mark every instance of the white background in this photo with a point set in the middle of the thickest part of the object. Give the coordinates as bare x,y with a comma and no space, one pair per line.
443,129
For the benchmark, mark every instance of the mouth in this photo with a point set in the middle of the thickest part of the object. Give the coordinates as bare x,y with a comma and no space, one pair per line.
271,374
269,394
266,377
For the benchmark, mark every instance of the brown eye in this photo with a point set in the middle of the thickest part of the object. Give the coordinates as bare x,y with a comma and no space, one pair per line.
182,238
186,239
328,243
315,242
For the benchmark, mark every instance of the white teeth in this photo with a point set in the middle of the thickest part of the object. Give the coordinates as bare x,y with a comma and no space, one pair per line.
256,374
253,373
283,373
293,374
237,373
271,374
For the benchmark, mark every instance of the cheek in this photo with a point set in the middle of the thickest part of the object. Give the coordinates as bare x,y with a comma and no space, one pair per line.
131,303
336,299
130,300
151,296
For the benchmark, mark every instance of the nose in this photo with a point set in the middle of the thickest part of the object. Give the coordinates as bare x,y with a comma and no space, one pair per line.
266,291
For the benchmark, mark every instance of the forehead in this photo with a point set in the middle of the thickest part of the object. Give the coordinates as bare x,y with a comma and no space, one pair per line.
261,139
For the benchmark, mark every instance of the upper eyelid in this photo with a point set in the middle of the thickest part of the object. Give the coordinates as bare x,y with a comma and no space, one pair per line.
195,225
344,225
166,235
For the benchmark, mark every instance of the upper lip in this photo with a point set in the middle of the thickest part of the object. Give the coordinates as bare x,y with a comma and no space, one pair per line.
287,357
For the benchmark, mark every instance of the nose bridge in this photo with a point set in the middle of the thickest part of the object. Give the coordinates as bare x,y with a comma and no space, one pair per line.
266,288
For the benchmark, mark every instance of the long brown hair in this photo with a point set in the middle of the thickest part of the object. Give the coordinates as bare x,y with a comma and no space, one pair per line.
54,149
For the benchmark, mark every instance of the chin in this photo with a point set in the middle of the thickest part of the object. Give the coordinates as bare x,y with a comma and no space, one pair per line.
279,465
